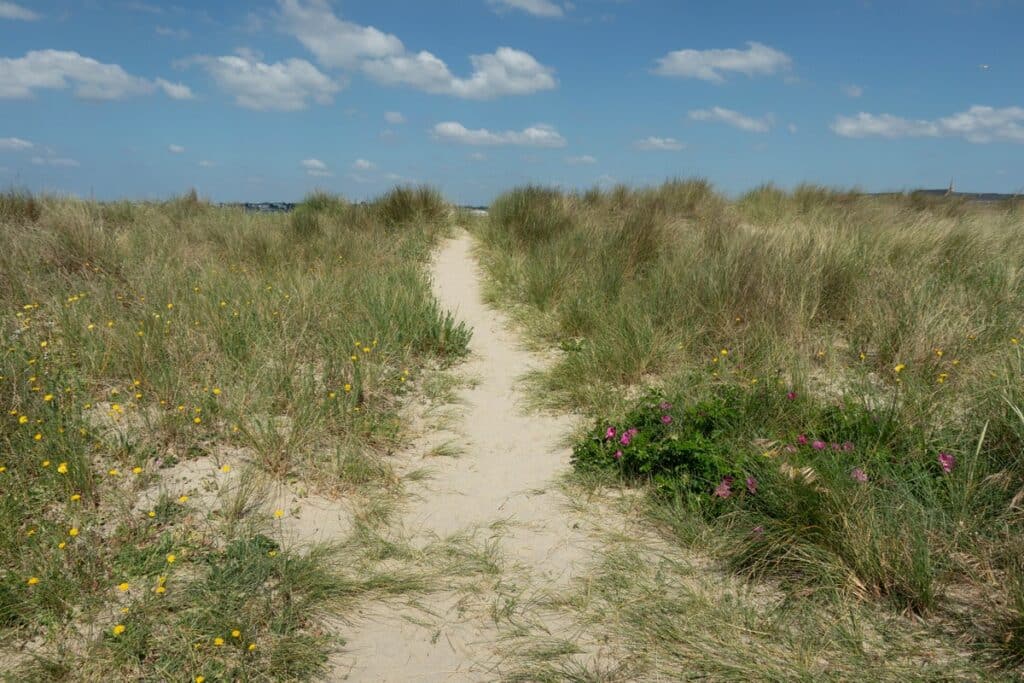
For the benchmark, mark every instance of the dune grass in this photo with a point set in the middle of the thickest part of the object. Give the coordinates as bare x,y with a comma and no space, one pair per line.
142,340
837,377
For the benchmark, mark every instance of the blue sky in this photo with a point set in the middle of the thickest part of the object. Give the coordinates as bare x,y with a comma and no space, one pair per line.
270,99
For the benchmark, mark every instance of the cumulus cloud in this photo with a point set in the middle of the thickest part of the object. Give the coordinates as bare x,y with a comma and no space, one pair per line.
341,44
538,8
851,90
506,71
654,144
733,118
712,65
363,165
281,86
9,10
175,149
979,124
55,161
580,160
15,144
176,91
316,168
538,135
394,117
21,77
336,43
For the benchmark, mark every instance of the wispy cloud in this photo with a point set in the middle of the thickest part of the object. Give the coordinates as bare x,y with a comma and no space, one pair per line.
55,161
395,118
733,118
851,90
206,163
713,65
9,10
176,33
175,149
176,91
580,160
15,144
363,165
538,135
979,124
656,144
538,8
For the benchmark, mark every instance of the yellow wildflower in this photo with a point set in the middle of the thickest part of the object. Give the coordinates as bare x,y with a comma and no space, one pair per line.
899,368
73,531
75,497
123,586
136,470
183,499
218,641
118,630
48,397
23,419
32,580
236,633
62,468
225,468
279,513
171,558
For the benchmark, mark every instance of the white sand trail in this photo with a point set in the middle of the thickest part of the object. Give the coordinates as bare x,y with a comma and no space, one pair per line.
505,473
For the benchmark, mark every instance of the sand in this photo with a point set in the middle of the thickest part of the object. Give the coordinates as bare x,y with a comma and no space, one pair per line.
505,474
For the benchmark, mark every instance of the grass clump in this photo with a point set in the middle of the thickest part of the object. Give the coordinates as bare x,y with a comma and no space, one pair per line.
836,380
159,361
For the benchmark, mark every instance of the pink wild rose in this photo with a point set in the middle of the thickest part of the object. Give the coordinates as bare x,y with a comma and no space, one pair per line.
947,461
818,445
801,439
666,419
609,433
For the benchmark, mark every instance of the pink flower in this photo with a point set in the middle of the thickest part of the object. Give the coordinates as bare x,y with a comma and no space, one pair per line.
791,395
947,461
666,419
801,439
859,475
847,446
618,455
609,433
836,447
818,445
628,435
752,485
665,405
724,489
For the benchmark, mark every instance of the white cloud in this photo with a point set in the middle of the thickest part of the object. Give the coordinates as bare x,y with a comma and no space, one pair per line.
55,69
851,90
281,86
20,77
577,161
176,91
341,44
55,161
653,144
708,65
363,165
15,144
177,33
336,43
733,118
316,168
206,163
505,72
394,117
175,149
538,135
538,8
9,10
979,124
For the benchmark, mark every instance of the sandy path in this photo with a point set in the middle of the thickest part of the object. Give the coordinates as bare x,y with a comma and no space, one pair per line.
504,474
